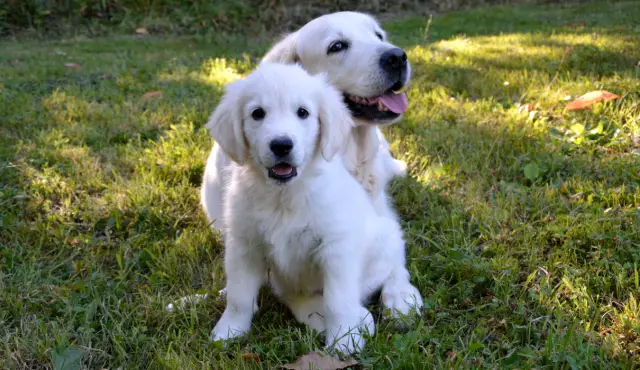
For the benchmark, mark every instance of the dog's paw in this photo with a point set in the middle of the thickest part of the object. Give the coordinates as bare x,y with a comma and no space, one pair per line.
347,345
230,327
347,340
402,300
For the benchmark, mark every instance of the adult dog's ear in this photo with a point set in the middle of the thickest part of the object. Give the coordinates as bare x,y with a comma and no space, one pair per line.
225,123
335,121
284,51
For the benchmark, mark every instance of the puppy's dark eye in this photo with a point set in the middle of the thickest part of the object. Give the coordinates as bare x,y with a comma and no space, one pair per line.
258,114
379,35
303,113
337,46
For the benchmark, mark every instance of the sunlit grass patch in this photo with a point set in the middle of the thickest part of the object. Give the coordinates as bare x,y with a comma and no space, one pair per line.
521,218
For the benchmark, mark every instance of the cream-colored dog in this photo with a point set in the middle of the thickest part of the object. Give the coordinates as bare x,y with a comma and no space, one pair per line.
352,50
294,216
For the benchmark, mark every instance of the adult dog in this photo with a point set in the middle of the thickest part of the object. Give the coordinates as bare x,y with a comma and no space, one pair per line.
294,216
352,49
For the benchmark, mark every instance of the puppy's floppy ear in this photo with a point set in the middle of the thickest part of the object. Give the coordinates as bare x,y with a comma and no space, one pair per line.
335,121
285,51
225,123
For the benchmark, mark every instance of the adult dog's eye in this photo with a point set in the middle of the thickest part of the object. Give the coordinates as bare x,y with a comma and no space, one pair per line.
337,46
379,35
303,113
258,114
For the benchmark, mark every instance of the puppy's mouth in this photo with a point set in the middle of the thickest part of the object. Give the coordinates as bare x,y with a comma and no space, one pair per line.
377,109
282,172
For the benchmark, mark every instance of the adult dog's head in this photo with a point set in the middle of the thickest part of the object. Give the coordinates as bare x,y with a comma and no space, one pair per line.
352,49
279,119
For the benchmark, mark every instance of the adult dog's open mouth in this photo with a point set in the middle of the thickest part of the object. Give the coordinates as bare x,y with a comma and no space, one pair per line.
377,109
283,172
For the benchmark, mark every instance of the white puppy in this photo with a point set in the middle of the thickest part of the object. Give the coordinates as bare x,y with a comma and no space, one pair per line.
294,216
352,49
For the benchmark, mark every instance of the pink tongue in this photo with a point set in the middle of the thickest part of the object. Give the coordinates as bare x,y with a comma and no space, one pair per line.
397,103
282,169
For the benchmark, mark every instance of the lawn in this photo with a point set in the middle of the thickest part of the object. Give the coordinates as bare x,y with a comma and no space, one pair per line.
522,219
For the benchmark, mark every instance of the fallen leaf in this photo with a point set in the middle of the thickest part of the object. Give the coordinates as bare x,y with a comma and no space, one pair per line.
151,95
588,99
319,361
251,356
575,24
577,128
531,171
72,66
142,31
67,358
527,108
450,355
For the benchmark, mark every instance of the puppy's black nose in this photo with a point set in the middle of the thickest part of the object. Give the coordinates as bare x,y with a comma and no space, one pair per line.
281,146
393,60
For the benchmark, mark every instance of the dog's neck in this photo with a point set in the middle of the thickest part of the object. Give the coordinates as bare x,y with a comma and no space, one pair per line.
366,140
361,150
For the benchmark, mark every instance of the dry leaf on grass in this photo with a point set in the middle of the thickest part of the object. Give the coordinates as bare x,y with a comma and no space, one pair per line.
588,99
526,108
72,66
142,31
251,356
319,361
151,95
576,24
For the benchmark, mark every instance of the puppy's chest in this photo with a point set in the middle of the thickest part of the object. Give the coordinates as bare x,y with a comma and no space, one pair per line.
293,254
290,240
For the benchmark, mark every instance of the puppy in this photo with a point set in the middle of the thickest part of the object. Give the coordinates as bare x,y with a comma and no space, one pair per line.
294,216
352,50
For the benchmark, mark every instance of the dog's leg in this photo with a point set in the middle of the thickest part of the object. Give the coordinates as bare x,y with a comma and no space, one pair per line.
214,181
393,166
388,255
308,310
246,273
399,295
345,318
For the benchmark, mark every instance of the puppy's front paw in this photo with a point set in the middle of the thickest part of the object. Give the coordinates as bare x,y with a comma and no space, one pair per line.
350,339
402,299
229,327
347,344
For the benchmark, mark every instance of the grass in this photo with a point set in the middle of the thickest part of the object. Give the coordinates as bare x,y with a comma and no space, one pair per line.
523,228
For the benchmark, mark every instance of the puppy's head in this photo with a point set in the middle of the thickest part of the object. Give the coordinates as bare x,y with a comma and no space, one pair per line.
278,119
352,49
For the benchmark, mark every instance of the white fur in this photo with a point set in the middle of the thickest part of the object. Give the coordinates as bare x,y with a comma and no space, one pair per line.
316,239
366,152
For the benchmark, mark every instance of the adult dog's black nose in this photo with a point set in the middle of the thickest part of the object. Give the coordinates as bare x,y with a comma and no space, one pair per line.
393,60
281,146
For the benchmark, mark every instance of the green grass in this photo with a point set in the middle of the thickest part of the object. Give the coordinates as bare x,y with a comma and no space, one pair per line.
523,228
